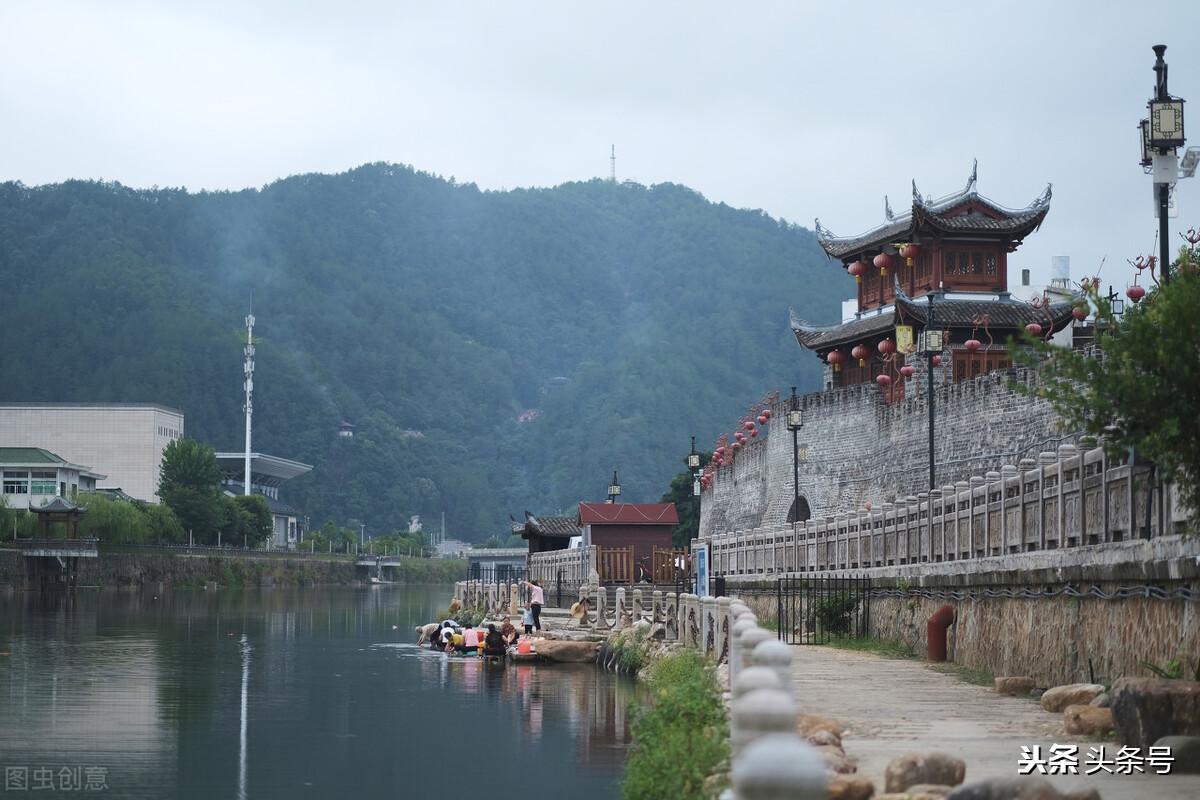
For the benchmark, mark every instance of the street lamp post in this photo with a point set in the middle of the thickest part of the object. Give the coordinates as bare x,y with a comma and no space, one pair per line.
1162,135
933,348
795,421
693,462
614,489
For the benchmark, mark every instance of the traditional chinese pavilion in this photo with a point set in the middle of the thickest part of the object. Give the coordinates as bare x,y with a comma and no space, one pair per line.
949,255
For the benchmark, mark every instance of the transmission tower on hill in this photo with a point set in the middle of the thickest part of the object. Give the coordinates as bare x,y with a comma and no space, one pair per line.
612,165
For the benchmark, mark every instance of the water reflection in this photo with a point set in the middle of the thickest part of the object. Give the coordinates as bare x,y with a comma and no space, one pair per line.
284,693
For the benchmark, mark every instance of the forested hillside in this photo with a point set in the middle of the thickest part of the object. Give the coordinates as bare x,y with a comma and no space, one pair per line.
496,351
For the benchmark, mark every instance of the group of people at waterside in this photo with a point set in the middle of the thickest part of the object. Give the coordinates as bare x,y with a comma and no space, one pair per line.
452,637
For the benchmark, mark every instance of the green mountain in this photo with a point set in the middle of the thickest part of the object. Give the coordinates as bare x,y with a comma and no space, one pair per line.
496,351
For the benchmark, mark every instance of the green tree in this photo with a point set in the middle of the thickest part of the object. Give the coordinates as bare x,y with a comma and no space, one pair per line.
112,520
189,484
1140,392
162,525
687,506
255,521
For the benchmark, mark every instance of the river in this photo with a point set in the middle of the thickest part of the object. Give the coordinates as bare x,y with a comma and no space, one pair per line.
287,693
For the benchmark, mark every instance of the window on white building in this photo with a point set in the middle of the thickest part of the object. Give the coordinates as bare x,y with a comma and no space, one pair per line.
44,483
16,482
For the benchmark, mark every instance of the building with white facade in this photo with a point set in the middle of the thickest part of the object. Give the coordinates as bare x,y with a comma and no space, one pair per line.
267,474
124,442
32,477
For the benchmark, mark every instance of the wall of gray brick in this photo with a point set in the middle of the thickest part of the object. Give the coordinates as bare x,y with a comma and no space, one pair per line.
855,449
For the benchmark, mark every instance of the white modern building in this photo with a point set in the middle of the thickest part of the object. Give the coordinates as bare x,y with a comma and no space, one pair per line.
267,474
32,477
122,441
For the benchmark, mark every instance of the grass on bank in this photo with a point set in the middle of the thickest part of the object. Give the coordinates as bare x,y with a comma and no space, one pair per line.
892,648
681,736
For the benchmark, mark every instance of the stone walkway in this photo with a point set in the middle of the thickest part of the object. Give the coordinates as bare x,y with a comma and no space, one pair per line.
891,707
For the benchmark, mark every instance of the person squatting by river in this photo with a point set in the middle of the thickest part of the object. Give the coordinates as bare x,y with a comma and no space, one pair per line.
536,600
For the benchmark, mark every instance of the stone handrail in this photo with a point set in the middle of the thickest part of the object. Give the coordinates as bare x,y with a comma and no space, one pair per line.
1060,500
574,566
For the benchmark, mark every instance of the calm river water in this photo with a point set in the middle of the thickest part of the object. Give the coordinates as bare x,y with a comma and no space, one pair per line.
285,693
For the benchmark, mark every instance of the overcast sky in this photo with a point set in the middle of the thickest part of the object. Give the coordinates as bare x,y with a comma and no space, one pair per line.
802,109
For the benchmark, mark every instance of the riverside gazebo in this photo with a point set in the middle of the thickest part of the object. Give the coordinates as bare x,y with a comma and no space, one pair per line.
58,509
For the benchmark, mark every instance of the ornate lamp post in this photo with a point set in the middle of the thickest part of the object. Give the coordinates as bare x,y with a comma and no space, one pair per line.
933,346
693,462
795,421
1162,136
614,489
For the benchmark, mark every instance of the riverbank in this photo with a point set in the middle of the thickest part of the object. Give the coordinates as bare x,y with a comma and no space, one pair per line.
117,567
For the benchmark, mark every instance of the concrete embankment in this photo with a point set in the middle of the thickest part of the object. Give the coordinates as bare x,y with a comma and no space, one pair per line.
183,570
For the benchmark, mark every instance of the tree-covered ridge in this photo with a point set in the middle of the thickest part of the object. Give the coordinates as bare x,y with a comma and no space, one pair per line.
431,315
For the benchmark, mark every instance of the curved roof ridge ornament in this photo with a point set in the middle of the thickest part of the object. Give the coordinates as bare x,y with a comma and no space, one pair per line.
823,233
887,209
1043,200
916,194
798,324
970,187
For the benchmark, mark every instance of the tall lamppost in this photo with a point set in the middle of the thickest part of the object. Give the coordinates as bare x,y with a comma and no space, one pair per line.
933,345
795,421
614,489
693,462
1162,136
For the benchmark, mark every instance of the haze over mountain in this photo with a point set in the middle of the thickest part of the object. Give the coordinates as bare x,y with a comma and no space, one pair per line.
497,351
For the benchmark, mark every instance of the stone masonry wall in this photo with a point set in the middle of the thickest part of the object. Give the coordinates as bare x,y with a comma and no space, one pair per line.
856,449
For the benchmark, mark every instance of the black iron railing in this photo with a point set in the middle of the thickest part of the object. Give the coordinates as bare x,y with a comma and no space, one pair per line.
816,610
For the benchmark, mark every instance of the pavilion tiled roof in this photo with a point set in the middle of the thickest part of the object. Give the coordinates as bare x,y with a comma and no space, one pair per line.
628,514
1003,315
929,213
552,526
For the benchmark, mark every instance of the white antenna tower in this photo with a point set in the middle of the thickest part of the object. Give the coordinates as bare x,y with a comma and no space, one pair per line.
248,369
612,165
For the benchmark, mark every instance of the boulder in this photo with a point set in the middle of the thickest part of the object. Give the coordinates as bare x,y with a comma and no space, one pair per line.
1073,694
808,724
1147,709
1087,720
836,760
1101,701
1019,686
1006,789
913,768
932,789
850,787
566,651
1185,750
824,738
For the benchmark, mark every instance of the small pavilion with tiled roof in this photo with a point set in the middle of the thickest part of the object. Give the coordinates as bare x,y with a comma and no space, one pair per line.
546,533
949,254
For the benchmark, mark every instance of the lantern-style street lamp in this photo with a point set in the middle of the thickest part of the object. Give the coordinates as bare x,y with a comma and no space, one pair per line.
614,489
693,462
795,421
932,346
1161,137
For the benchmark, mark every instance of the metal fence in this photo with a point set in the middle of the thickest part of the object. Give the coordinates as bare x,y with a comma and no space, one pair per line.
498,573
816,610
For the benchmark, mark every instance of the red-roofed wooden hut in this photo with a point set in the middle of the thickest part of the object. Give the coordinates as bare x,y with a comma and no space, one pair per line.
638,529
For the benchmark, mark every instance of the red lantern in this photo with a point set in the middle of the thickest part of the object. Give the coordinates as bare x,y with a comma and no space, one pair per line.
883,261
1079,312
883,380
910,252
1135,293
1033,329
748,425
737,444
754,433
766,413
937,360
835,358
886,346
907,371
857,269
972,344
861,352
762,420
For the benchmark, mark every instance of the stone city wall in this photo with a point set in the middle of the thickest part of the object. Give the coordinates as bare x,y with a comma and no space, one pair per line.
855,449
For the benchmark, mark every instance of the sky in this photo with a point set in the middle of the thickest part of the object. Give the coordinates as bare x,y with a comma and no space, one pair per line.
801,109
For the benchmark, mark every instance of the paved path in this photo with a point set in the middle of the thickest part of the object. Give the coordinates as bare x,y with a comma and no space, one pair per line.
891,707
